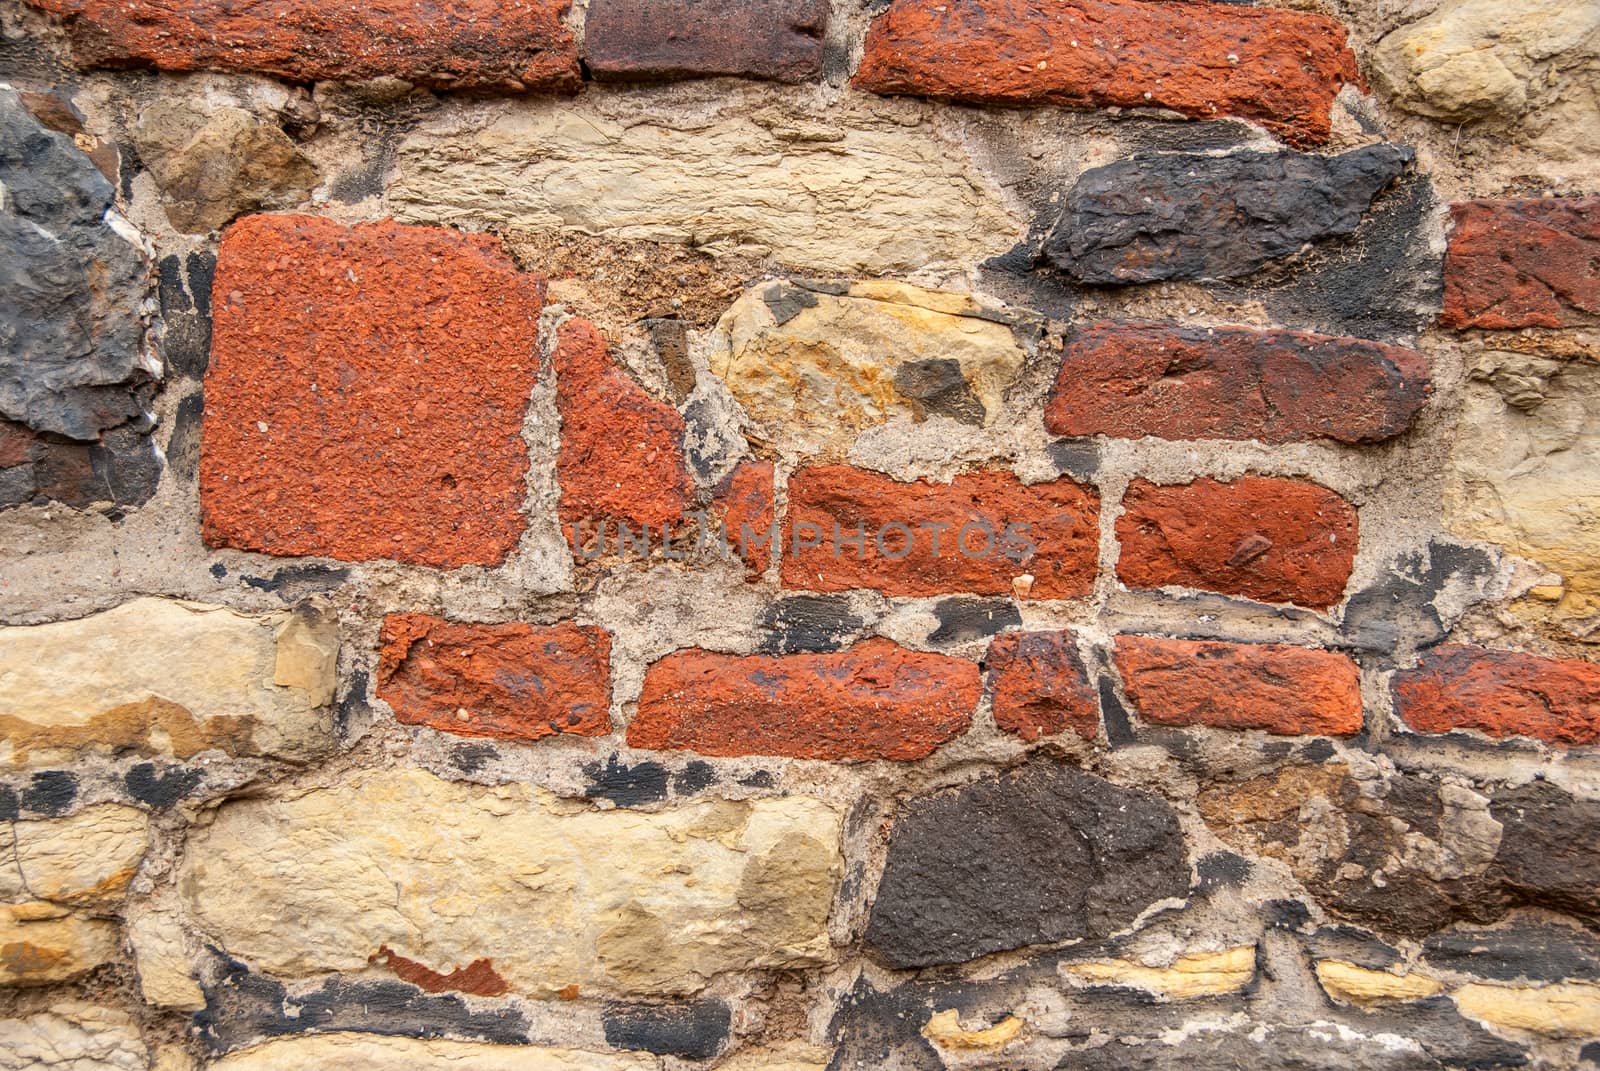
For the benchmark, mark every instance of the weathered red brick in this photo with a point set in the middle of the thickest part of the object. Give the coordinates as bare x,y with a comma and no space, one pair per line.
366,393
1267,539
1279,688
1208,60
780,40
444,44
1532,263
1501,693
743,506
1054,534
1128,380
1040,686
514,681
478,977
876,700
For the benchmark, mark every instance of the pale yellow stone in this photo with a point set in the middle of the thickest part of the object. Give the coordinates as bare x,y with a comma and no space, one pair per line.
172,1058
1200,974
829,369
946,1032
794,1056
72,1036
618,899
1563,1010
852,188
1366,987
308,655
84,860
165,977
371,1052
42,943
164,677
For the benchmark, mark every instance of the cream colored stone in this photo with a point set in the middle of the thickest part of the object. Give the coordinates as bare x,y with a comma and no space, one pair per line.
308,655
73,1036
371,1052
1563,1010
814,369
854,188
614,899
794,1056
42,943
165,977
1367,987
86,860
946,1032
1200,974
172,1058
161,677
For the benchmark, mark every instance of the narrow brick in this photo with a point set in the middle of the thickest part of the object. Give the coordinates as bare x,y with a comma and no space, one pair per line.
513,681
1532,263
1128,380
744,506
1281,689
876,700
1267,539
779,40
1040,687
1279,68
1501,693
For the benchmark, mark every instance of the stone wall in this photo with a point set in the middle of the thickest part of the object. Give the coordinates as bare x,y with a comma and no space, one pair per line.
768,534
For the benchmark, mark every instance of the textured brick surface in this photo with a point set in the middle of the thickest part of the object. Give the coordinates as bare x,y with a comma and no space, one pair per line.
775,39
1267,539
512,681
366,393
1282,689
1501,693
1057,546
874,701
1533,263
1128,380
1279,68
744,506
1040,687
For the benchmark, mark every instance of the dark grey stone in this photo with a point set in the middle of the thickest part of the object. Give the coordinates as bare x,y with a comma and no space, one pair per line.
1404,599
160,788
185,293
937,387
1040,854
1221,870
1192,216
809,623
963,620
626,786
1523,949
1351,945
694,1030
1279,1048
1548,850
1077,459
786,301
470,758
694,778
50,793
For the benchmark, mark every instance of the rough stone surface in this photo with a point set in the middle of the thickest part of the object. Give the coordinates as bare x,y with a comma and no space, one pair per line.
1314,1047
517,682
1190,216
73,1035
644,39
1039,686
43,944
1275,687
83,861
112,682
873,701
1188,977
976,534
1267,539
617,899
1526,263
1041,854
161,958
350,1051
1206,60
1176,382
460,44
1501,693
413,410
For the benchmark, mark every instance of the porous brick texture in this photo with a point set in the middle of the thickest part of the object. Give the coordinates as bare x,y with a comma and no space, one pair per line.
787,535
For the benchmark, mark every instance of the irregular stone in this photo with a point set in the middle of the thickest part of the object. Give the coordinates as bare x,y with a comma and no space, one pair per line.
874,701
836,186
745,505
1190,216
156,677
72,278
1196,974
695,1030
1205,60
1547,853
459,44
789,1056
85,861
1524,949
42,944
1311,1047
514,681
849,528
1040,854
809,623
611,900
1275,687
73,1036
1040,686
1419,596
1501,693
1523,263
1176,382
814,369
1563,1010
945,1031
215,164
166,978
643,39
348,1051
413,409
964,620
1366,987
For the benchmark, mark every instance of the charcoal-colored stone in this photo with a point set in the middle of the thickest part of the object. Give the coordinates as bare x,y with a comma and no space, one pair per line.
693,1030
1190,216
1548,851
1523,948
1279,1048
1418,597
1040,854
624,785
963,620
809,623
780,40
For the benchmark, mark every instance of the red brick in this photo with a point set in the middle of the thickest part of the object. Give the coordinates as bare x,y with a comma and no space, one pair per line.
1279,68
745,499
366,393
1282,689
478,977
444,44
1128,380
874,701
1040,687
1266,539
779,40
1501,693
1533,263
1061,519
514,681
